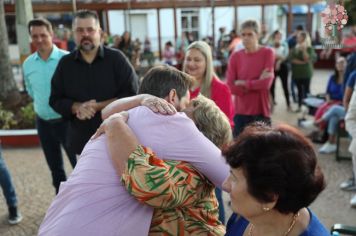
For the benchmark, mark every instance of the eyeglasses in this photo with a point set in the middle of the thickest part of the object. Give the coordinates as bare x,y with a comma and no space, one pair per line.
89,30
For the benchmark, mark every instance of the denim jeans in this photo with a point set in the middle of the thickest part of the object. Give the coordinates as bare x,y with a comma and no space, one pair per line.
52,135
333,116
6,184
241,121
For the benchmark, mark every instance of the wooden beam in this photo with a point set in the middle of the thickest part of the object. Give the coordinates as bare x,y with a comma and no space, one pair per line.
106,16
213,21
74,6
104,21
68,7
125,20
309,20
175,25
236,16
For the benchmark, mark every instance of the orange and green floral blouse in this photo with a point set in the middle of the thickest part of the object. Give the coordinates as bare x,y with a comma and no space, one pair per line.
184,200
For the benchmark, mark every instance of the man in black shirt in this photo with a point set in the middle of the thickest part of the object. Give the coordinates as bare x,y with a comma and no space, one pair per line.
88,79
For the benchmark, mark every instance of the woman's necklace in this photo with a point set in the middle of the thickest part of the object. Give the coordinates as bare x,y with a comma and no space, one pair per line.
288,230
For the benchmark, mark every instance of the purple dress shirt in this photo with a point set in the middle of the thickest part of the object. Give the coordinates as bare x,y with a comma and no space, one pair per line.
93,201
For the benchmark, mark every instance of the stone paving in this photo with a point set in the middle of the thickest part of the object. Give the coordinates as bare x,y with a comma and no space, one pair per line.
35,192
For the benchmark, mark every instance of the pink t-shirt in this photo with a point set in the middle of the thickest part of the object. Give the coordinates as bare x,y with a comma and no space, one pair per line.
221,95
249,66
94,202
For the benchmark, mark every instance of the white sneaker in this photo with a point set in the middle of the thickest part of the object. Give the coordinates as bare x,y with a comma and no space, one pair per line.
328,148
348,185
15,216
308,124
353,201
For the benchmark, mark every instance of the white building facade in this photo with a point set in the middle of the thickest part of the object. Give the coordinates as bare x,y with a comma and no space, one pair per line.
142,23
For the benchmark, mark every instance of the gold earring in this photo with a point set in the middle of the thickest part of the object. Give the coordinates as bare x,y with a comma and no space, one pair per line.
266,208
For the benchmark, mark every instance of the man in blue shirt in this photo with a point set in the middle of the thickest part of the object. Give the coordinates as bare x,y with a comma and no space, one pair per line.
38,71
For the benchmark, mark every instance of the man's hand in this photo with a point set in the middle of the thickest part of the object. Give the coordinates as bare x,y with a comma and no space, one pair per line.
86,110
110,122
158,105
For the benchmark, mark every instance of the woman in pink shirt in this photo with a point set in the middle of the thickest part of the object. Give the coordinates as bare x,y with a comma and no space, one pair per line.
198,62
250,76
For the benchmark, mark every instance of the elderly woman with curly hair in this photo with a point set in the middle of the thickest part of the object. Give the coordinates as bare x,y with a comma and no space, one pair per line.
272,186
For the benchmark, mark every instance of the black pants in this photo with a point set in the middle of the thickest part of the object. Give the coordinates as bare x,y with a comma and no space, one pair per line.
241,121
283,75
52,135
303,89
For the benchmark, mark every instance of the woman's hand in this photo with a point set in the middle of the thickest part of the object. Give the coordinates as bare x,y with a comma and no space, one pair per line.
158,105
110,122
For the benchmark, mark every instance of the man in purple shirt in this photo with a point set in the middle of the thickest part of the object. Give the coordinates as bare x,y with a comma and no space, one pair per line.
93,201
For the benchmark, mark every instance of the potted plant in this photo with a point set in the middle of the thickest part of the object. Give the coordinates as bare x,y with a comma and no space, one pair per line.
17,126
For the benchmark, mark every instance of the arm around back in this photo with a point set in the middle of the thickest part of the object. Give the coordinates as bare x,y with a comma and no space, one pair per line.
177,138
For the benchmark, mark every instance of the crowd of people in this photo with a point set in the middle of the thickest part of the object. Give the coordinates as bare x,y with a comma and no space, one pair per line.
161,149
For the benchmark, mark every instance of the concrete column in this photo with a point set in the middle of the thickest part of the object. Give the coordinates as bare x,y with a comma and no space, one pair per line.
159,33
24,14
213,21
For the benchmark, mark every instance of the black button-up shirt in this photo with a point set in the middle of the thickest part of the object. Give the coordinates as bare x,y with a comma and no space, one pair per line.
109,76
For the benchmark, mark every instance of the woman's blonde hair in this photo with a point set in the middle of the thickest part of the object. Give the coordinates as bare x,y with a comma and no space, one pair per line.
306,37
211,121
205,49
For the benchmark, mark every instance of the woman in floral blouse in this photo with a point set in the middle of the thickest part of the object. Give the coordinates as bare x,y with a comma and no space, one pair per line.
184,200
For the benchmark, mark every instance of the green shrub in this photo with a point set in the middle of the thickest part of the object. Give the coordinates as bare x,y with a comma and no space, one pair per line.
19,118
6,118
28,115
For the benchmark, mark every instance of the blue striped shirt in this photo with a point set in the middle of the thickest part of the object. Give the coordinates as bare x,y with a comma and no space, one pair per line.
38,75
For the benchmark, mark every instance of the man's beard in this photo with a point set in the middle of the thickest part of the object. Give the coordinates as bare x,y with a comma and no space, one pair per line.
86,47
